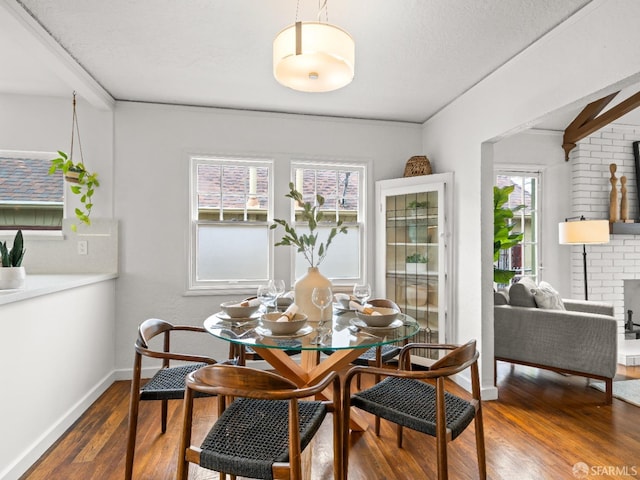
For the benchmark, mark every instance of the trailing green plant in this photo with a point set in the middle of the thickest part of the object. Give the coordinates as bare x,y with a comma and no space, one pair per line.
416,204
84,185
306,243
416,258
13,257
503,236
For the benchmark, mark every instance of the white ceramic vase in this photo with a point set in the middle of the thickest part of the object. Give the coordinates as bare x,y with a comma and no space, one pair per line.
302,293
12,277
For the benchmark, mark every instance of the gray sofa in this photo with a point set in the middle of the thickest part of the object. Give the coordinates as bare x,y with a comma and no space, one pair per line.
581,340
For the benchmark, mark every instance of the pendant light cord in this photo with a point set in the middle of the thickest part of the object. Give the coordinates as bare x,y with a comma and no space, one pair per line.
322,7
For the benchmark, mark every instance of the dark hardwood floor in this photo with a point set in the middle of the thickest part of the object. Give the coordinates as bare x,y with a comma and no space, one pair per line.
541,426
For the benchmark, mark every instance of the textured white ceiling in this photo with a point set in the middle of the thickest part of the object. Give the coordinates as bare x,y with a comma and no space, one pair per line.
413,57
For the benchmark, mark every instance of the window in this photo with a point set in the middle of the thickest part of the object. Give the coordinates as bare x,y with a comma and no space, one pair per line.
523,258
231,246
342,187
230,213
30,198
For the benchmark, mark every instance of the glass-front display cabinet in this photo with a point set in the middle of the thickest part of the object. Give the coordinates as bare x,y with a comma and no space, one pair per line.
413,250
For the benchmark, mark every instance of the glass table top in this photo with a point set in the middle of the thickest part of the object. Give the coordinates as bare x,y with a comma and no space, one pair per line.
347,332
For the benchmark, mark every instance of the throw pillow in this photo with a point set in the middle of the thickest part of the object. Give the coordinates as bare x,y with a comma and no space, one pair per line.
521,295
547,297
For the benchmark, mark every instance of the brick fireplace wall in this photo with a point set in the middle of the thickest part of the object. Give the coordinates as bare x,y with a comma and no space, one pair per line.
610,264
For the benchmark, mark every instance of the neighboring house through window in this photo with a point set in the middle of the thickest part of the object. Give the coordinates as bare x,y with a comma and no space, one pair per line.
30,198
342,186
232,246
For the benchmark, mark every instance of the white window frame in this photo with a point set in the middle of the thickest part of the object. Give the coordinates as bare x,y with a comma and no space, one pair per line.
204,287
343,284
537,173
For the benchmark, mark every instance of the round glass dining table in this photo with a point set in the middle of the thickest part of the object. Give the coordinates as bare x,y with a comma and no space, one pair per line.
348,338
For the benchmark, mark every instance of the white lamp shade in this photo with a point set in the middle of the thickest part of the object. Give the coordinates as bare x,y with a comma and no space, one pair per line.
324,63
583,231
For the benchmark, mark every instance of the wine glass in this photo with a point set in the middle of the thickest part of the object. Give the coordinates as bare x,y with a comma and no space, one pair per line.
362,291
280,288
267,295
322,297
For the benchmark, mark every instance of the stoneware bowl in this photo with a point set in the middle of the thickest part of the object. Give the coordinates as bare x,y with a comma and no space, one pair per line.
234,311
269,320
387,315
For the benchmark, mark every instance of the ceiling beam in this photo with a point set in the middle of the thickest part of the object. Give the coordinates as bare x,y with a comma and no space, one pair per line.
587,115
43,48
589,121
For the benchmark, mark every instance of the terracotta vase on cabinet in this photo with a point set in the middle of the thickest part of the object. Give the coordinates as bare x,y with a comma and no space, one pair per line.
303,289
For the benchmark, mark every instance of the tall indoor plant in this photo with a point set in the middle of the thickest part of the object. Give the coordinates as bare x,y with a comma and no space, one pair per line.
308,245
12,273
503,236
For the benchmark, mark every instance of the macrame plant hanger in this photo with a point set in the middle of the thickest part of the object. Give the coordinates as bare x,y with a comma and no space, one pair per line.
73,175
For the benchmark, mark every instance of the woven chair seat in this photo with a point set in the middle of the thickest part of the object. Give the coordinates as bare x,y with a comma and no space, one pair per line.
168,383
411,403
251,435
387,353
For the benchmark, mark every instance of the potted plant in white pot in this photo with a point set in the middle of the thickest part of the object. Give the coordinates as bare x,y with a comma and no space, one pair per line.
416,263
306,243
12,273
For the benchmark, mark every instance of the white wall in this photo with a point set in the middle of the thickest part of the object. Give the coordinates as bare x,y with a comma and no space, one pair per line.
151,195
57,357
541,150
569,66
43,124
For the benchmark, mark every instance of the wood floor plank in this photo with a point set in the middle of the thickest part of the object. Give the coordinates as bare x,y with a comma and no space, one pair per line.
542,424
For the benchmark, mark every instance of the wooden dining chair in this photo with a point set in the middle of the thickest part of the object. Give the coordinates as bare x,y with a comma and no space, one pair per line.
263,431
167,384
409,399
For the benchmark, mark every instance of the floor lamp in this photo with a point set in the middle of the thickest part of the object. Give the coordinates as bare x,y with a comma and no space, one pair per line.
583,231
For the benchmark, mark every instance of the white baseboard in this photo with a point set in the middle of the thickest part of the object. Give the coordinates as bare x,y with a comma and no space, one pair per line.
55,431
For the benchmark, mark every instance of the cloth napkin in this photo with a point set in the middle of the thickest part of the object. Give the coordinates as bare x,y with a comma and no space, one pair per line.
363,308
288,314
251,302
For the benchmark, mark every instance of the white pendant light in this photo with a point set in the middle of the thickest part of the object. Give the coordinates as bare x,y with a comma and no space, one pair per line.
313,57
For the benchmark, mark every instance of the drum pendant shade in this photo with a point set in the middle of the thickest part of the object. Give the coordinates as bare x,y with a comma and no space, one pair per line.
313,57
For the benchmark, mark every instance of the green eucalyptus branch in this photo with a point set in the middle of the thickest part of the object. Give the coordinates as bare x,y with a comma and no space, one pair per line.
307,243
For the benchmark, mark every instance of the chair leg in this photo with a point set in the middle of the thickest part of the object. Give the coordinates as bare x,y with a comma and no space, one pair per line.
482,461
134,403
399,436
185,438
163,415
131,441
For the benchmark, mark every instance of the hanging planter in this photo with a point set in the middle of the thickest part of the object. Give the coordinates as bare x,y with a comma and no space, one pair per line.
84,181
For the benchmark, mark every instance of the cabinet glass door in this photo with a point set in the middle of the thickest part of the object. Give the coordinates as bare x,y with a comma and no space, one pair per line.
412,254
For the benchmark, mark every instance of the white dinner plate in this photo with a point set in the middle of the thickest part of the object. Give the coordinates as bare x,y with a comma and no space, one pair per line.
265,332
226,318
362,324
